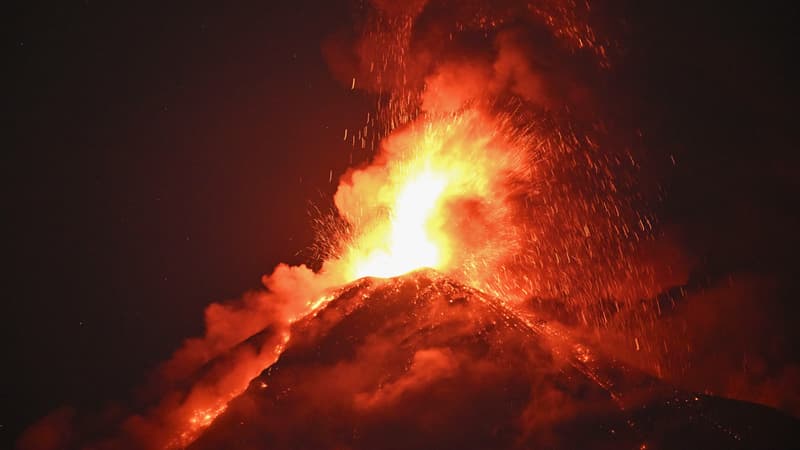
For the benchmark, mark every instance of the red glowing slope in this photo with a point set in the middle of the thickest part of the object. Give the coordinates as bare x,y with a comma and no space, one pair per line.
422,362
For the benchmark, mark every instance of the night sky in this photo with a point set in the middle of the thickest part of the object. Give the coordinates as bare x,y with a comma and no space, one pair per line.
162,157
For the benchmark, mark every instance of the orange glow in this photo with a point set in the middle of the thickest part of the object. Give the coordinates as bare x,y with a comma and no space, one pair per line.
198,421
507,197
203,418
203,405
410,245
438,189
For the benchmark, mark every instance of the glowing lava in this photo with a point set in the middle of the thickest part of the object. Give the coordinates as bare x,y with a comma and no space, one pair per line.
410,245
436,196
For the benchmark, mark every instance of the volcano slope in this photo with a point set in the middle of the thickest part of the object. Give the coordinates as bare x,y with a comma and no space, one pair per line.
422,362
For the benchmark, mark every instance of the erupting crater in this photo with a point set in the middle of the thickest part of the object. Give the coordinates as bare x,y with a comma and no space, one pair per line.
421,361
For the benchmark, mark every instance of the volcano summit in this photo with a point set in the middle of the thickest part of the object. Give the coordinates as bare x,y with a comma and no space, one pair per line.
420,361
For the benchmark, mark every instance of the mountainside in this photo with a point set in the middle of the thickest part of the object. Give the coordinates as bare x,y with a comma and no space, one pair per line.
420,361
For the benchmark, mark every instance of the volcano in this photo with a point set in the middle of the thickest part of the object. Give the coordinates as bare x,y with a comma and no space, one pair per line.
420,361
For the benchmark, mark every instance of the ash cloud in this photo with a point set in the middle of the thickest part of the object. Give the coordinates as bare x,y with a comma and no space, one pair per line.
597,255
580,210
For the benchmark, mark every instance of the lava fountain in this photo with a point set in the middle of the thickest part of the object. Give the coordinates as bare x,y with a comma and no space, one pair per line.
439,190
409,243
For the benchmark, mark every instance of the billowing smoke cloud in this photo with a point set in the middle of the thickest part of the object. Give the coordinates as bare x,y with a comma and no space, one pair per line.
719,338
587,249
574,213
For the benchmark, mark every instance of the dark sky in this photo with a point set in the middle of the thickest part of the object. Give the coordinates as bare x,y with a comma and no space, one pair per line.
155,165
154,157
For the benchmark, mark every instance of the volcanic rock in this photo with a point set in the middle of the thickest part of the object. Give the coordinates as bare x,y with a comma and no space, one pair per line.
422,362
